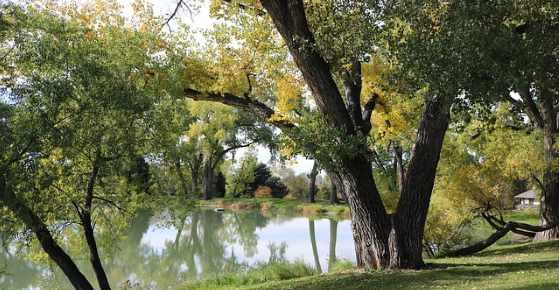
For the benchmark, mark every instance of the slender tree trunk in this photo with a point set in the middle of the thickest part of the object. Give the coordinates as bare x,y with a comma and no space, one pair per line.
332,242
314,245
335,185
549,199
312,186
94,253
49,245
399,168
85,218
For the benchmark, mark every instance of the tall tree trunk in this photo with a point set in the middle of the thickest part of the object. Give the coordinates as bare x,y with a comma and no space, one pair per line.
335,187
333,224
314,245
549,199
417,185
85,218
312,180
208,181
49,245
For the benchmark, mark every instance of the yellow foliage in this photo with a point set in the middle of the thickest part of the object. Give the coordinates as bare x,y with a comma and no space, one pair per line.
288,94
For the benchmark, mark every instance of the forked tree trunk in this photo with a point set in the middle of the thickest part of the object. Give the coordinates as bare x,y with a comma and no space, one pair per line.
395,241
381,240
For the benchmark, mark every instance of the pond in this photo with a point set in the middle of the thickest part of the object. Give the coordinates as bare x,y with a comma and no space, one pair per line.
160,250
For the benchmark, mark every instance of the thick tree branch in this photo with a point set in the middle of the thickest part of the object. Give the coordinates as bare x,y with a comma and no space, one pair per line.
366,114
258,11
290,21
225,151
352,81
254,106
530,106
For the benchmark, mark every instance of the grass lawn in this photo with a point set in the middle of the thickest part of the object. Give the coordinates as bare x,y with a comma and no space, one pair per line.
525,266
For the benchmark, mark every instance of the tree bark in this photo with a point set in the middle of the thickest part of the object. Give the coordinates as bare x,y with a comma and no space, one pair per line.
312,186
544,115
333,193
549,199
49,245
208,180
417,185
94,254
85,218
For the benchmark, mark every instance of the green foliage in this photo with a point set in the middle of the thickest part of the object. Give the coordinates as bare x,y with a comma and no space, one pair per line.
239,180
264,177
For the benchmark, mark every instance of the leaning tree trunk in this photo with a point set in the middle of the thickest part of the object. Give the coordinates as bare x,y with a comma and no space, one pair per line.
94,253
549,200
417,185
49,245
312,180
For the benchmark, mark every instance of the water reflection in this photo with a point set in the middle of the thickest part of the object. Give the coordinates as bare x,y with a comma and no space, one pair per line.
162,249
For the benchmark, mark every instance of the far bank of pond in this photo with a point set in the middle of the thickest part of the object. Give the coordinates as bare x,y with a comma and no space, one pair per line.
280,206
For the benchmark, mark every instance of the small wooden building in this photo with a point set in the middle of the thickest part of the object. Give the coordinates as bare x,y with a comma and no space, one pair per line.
526,199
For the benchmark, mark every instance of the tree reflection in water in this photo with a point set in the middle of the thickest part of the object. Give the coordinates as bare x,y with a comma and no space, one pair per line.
161,250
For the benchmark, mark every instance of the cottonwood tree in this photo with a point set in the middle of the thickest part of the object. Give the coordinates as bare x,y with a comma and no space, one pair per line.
329,56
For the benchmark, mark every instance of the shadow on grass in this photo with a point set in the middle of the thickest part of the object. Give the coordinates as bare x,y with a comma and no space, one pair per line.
438,275
540,286
522,248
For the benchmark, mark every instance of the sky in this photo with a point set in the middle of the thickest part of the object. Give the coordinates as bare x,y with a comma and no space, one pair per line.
200,19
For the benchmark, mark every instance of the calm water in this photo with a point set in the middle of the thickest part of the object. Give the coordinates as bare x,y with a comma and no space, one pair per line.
162,249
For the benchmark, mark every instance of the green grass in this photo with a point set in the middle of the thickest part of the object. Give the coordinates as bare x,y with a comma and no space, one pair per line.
526,266
259,274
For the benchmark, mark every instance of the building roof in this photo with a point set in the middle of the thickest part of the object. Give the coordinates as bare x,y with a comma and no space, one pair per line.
530,194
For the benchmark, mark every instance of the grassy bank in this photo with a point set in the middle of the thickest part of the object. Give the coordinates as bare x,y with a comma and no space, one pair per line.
526,266
279,206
